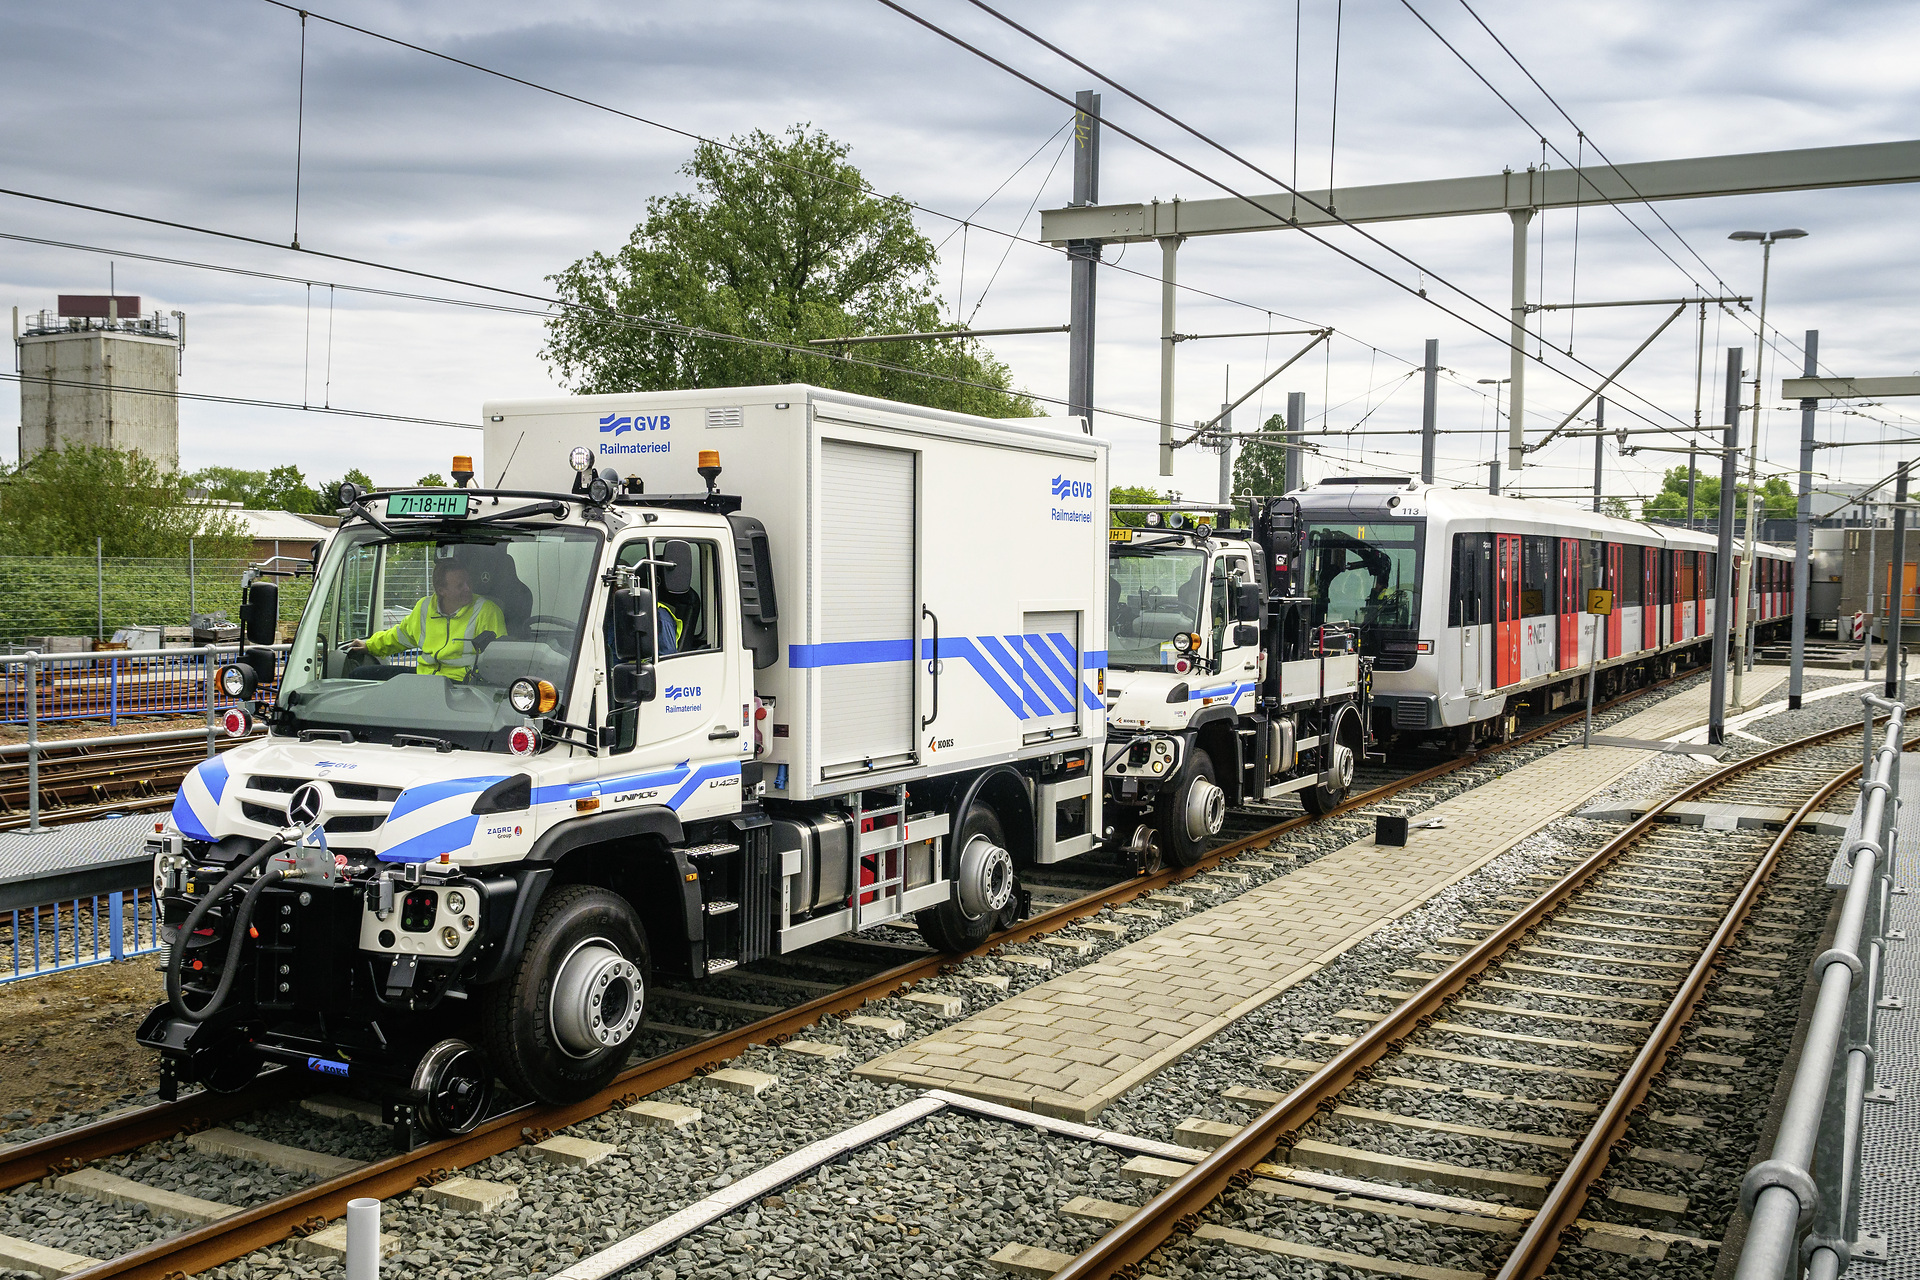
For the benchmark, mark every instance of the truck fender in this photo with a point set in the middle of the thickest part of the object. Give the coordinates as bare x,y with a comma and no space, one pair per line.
1214,727
531,887
1005,789
604,828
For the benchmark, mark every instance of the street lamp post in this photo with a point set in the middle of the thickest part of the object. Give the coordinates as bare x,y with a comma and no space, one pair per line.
1742,641
1493,476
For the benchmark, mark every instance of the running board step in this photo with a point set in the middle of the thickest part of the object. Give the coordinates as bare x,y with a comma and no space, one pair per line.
710,850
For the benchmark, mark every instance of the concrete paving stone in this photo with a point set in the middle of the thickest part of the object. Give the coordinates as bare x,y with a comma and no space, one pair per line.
331,1242
998,981
49,1264
472,1195
944,1005
241,1146
740,1080
576,1153
664,1115
111,1188
1113,930
1079,946
814,1049
1029,962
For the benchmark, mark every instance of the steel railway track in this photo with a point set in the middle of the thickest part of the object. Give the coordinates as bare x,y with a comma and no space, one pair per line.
267,1223
1653,909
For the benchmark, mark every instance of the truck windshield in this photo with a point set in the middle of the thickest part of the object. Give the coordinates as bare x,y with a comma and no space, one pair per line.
1153,594
1366,574
423,633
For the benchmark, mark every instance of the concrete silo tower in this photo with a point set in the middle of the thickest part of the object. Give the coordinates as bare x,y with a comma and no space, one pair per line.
97,372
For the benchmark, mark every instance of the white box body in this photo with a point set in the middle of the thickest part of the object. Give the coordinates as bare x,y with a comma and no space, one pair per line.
891,526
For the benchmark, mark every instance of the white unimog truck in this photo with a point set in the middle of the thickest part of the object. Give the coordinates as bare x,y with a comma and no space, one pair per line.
697,717
1222,686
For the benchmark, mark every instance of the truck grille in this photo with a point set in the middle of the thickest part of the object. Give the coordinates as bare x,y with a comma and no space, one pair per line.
345,790
343,823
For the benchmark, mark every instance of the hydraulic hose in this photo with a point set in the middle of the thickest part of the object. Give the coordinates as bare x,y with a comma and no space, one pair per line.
243,916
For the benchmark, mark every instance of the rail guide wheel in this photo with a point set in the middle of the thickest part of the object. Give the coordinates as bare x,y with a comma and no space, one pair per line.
452,1088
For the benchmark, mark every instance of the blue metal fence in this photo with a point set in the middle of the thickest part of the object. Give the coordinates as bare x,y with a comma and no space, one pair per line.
79,932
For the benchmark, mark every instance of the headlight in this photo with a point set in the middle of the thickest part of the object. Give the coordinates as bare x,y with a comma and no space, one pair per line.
528,696
1153,520
237,680
1183,642
456,901
581,458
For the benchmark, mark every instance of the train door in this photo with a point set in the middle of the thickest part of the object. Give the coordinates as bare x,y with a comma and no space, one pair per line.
1571,606
1650,596
1506,643
1613,649
1684,604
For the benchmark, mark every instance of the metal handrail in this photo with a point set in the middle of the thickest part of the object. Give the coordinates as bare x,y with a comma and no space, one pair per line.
31,663
1810,1181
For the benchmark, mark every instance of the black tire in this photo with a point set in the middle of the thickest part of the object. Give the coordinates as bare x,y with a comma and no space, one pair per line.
1323,798
1169,816
948,927
518,1013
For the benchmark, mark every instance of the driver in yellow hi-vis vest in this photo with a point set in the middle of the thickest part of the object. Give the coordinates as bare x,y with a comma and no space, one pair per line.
449,626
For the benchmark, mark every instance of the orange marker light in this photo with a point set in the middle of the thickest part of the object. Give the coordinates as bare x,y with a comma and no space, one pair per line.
709,457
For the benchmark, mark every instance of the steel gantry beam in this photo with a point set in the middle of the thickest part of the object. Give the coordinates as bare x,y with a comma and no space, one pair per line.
1518,194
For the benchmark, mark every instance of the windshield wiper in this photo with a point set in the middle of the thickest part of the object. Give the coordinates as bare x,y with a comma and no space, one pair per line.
555,508
338,735
420,740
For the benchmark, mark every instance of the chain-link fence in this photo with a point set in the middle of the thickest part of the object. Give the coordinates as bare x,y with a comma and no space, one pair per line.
93,597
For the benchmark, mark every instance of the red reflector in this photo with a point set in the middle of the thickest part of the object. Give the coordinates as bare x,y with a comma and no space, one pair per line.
252,932
198,965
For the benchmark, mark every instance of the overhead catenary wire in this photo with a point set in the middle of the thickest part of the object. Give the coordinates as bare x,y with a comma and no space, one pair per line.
547,301
1502,315
959,222
252,402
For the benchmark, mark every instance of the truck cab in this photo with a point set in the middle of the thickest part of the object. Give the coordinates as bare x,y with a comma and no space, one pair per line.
1221,688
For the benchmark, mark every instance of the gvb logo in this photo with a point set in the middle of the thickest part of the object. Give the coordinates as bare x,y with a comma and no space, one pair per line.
1065,488
683,691
620,423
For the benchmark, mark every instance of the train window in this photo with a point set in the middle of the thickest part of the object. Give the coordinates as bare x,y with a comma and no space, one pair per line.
1683,576
1632,575
1471,601
1537,574
1703,581
1367,574
1592,566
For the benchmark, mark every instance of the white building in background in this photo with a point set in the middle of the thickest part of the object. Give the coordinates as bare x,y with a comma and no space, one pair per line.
97,372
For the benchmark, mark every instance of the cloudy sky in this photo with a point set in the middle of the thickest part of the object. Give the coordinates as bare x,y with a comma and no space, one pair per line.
187,112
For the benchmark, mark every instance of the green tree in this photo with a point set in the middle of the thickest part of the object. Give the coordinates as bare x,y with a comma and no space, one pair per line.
286,489
1617,506
1261,468
58,502
431,480
230,484
780,240
1137,493
1776,497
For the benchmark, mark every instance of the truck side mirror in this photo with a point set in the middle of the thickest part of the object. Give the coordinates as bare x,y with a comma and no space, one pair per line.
261,609
633,625
1246,602
1245,635
631,683
677,577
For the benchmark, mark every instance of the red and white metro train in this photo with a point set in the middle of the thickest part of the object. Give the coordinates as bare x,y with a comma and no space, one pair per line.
1472,605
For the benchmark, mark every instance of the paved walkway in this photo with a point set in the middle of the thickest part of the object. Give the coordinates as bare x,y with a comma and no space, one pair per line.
1071,1046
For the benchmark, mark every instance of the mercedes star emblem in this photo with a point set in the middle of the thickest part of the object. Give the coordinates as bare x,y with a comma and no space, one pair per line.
306,806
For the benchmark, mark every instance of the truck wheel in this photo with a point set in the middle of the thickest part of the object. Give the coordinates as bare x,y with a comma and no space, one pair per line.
558,1028
983,886
1324,797
1191,815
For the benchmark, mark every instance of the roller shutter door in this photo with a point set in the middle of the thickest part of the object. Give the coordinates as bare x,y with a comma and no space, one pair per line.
867,599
